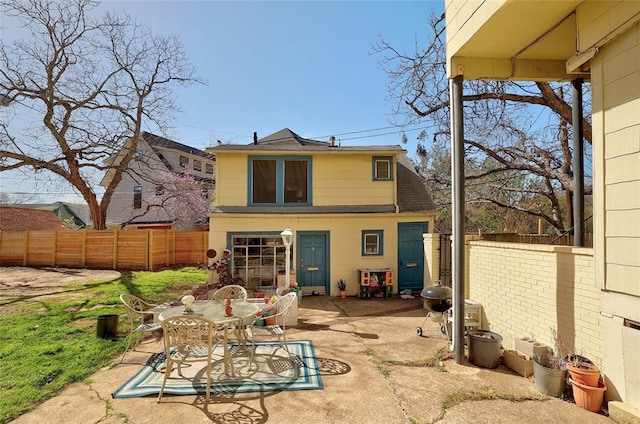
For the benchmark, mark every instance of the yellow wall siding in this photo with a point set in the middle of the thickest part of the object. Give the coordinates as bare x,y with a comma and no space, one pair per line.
618,64
231,178
348,180
598,19
337,180
345,235
622,142
528,290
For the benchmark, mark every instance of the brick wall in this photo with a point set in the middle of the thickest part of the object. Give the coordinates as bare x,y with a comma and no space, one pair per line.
532,290
431,256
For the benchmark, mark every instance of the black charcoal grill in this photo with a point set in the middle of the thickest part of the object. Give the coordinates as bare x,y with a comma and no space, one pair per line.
437,300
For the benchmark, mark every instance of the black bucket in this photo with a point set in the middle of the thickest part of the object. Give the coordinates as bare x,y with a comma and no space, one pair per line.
107,327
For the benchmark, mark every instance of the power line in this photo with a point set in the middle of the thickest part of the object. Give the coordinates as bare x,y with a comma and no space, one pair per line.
400,128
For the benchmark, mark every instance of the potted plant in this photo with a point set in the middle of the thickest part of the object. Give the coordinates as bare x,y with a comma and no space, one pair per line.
342,286
549,373
550,370
582,370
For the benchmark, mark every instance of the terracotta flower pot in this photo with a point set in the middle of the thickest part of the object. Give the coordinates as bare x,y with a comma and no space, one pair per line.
587,397
584,373
343,294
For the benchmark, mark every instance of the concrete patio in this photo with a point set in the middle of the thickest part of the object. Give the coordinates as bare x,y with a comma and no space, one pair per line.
370,357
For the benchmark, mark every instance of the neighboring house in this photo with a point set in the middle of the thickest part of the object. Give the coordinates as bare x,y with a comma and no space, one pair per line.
142,184
566,40
27,219
74,215
349,208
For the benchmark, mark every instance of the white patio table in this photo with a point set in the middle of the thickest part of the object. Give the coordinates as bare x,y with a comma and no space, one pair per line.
215,311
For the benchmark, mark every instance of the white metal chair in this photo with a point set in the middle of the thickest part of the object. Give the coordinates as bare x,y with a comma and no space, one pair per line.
232,291
235,292
282,308
140,318
188,339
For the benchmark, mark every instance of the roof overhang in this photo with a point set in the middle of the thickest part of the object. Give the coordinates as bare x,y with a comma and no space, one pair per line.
515,40
295,149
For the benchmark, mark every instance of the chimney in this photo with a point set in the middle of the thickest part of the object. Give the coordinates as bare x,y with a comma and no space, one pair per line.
255,137
332,141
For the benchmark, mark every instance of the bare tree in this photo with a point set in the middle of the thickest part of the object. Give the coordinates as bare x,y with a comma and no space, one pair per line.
93,83
517,137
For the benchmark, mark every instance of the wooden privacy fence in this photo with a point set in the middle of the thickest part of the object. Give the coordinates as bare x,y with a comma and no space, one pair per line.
128,249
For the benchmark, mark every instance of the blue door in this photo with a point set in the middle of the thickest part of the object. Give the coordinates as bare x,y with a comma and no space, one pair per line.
313,261
411,255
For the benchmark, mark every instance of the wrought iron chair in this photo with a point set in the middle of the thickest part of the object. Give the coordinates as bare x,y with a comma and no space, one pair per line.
189,339
235,292
231,291
139,314
278,329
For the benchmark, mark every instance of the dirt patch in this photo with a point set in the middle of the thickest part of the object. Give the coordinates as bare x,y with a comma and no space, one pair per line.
32,284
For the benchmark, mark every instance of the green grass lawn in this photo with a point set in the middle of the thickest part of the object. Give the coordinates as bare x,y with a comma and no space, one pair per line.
46,345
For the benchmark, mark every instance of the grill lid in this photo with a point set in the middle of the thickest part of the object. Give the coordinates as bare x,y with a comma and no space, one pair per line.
438,292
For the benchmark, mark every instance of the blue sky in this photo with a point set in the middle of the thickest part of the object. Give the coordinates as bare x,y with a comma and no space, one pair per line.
304,65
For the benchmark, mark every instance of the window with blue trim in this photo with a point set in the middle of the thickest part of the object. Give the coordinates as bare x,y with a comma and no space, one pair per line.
382,168
279,180
372,242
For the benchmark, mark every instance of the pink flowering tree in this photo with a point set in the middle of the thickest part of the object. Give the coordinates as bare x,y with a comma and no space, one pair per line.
183,198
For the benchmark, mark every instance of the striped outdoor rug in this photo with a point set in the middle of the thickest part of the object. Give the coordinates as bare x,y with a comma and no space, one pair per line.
274,372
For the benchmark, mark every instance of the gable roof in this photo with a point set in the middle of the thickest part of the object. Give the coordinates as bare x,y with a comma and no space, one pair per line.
78,213
287,140
156,142
26,219
286,136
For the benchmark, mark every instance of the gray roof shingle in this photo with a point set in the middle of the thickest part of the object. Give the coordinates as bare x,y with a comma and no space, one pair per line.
287,140
27,219
413,195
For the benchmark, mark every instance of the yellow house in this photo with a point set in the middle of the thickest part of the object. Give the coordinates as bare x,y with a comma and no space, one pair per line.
349,208
566,40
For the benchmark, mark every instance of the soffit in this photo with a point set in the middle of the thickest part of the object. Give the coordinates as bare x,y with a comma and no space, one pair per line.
526,29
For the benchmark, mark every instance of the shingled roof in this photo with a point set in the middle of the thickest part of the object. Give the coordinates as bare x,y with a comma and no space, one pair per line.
413,195
26,219
286,136
156,141
286,140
